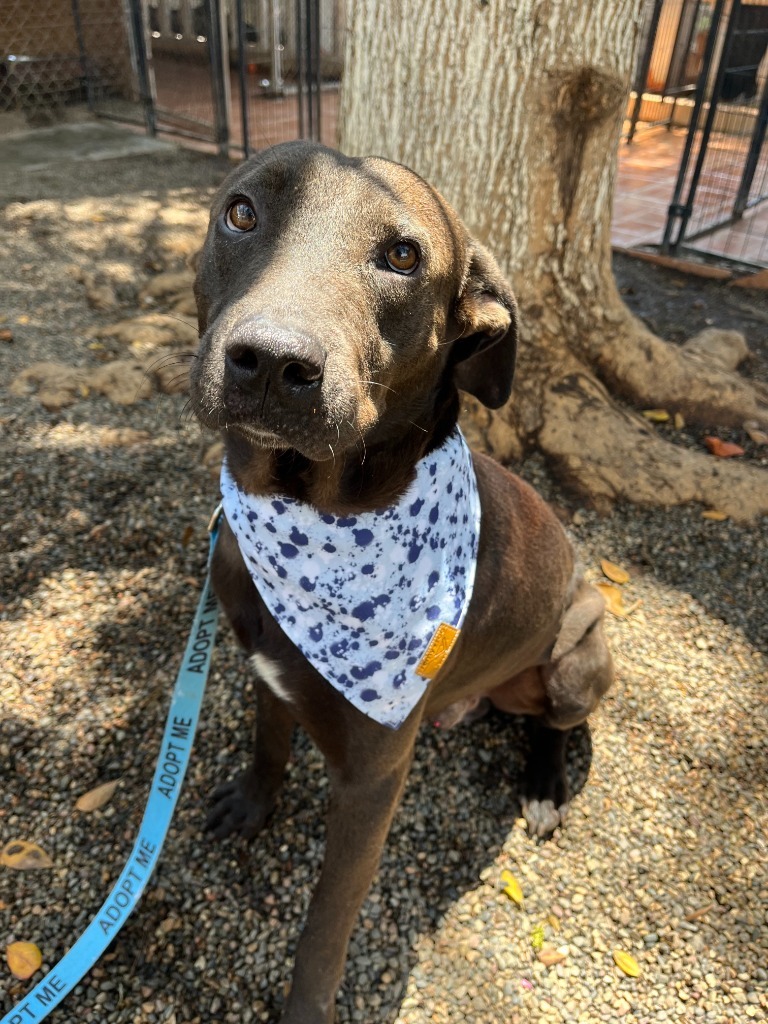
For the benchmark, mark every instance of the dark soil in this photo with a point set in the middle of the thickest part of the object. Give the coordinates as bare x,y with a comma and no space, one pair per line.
677,306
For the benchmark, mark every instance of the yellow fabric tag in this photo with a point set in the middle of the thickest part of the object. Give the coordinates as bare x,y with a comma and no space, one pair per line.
440,647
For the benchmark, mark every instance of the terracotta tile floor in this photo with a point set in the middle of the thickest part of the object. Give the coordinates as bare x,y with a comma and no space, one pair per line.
645,184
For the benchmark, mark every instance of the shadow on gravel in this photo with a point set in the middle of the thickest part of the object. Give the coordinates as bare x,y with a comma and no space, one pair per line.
460,804
721,565
83,511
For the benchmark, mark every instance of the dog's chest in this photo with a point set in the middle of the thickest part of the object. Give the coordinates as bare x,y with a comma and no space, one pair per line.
374,601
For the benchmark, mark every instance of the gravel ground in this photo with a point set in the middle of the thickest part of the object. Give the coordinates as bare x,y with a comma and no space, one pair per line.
103,535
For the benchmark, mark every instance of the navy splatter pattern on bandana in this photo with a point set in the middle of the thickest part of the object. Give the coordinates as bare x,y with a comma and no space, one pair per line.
362,596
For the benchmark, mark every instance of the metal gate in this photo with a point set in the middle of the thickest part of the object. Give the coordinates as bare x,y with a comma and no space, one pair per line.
58,58
724,168
241,74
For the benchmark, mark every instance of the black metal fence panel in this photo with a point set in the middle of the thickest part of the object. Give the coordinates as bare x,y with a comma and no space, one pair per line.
725,166
670,58
702,74
251,74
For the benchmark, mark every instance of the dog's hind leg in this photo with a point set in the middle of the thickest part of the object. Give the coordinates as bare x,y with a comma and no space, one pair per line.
545,789
578,673
244,804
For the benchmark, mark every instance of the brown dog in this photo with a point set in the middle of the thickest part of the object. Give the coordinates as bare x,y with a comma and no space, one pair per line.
342,305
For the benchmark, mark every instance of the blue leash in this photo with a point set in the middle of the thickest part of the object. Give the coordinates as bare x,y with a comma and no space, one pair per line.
171,767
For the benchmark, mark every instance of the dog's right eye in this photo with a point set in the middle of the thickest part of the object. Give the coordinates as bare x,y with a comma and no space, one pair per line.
241,216
402,257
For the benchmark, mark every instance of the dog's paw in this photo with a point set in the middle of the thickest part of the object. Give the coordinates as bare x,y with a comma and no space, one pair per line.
543,817
237,809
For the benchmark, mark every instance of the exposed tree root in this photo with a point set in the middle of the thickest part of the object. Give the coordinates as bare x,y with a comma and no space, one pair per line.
607,453
689,379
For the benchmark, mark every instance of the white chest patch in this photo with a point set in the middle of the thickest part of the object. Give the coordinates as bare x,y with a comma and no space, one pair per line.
374,601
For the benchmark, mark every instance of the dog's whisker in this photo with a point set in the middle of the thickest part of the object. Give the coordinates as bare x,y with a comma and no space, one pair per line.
172,316
176,379
423,429
163,362
169,358
362,440
187,414
380,385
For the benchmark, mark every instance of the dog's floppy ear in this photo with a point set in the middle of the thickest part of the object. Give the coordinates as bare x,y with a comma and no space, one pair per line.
483,356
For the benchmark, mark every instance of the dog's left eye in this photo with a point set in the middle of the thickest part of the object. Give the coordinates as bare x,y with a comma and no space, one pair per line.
241,216
402,257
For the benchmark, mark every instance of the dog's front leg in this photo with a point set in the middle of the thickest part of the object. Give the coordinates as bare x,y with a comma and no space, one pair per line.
365,792
243,804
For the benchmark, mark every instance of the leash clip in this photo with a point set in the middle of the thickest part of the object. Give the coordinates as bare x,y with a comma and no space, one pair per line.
213,522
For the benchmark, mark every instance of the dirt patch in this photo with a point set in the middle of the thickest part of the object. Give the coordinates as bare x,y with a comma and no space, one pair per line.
677,306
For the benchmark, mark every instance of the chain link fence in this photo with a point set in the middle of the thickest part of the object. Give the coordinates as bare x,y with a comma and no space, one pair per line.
60,56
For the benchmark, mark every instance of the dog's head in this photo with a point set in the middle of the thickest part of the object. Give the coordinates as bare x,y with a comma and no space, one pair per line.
339,299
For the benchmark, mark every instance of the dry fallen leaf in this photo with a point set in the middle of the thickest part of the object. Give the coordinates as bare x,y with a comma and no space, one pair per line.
614,572
723,449
97,797
550,956
24,958
187,535
613,598
696,915
24,856
656,415
626,963
23,319
714,515
679,421
537,937
554,922
512,887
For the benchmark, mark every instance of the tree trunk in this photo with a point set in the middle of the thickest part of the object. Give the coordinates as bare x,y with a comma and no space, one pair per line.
514,112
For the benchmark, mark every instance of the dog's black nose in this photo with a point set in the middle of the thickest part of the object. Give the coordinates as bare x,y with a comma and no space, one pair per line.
257,354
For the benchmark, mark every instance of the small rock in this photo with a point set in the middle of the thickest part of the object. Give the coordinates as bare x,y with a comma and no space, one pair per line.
725,349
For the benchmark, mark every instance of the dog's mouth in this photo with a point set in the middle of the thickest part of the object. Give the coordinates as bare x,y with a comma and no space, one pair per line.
316,432
257,436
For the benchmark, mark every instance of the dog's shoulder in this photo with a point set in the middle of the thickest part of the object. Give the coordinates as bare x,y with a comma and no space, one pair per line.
524,552
507,497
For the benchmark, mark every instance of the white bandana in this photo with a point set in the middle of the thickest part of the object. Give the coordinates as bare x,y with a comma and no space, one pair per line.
374,601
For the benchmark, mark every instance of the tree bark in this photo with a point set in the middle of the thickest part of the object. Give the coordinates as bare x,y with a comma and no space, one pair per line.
514,112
